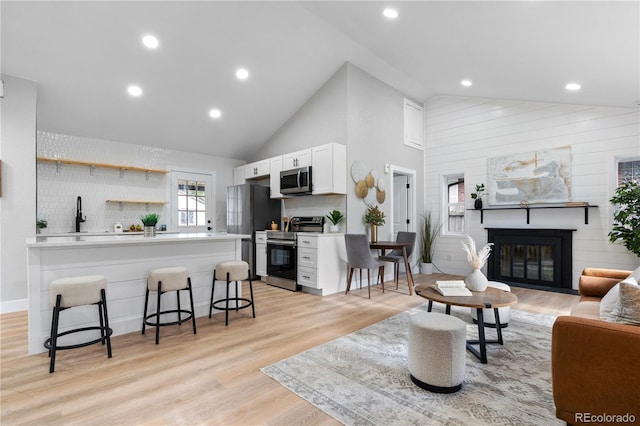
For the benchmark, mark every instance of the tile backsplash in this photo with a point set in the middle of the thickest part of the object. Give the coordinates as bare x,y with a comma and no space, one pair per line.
59,187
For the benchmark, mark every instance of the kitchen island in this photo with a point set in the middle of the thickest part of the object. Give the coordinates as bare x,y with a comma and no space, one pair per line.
125,261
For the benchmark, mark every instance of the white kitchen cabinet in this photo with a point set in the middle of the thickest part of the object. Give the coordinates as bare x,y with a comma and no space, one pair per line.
413,125
322,267
238,175
261,253
275,167
258,169
329,169
296,159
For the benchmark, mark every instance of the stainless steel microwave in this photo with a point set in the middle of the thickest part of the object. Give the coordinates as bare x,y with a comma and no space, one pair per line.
296,181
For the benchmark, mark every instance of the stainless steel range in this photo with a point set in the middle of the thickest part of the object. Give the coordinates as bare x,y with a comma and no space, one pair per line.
282,255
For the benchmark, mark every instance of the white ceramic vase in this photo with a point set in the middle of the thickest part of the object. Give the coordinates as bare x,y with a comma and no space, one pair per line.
476,281
334,228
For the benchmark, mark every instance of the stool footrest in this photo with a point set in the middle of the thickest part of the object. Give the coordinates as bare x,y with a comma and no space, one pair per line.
436,389
174,311
247,304
47,343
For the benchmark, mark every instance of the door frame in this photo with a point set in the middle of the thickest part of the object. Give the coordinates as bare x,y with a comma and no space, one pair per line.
411,197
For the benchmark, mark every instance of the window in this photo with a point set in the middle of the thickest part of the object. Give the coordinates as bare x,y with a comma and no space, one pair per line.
455,204
628,171
192,203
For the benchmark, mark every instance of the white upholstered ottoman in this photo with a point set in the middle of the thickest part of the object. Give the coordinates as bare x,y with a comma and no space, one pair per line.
437,351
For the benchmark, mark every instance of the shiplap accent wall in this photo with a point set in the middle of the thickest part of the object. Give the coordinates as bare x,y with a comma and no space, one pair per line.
463,133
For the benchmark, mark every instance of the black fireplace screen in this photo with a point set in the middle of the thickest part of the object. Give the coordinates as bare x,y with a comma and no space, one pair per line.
533,257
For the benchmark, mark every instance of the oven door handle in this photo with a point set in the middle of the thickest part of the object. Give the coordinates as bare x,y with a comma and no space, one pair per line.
281,242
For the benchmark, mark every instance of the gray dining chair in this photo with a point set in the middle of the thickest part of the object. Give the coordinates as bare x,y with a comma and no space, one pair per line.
396,256
359,256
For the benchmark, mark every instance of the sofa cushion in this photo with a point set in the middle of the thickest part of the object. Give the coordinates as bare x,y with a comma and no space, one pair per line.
586,309
608,304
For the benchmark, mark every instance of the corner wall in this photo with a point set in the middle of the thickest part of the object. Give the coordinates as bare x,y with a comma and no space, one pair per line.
18,201
463,133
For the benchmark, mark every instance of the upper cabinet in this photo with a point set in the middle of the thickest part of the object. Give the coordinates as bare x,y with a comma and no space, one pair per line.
258,169
296,159
329,168
238,175
413,125
274,179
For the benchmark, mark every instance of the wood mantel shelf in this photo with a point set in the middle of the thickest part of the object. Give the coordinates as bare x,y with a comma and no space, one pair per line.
59,161
573,205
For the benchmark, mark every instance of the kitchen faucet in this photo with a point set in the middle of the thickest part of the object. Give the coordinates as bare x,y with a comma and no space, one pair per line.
79,218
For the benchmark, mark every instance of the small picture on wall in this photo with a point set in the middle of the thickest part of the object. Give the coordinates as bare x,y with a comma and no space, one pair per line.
534,177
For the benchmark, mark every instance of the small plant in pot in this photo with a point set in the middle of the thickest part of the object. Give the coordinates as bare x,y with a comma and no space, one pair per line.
430,232
374,217
477,196
40,225
626,219
149,221
335,217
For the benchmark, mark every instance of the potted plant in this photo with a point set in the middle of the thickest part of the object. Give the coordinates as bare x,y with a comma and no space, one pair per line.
149,221
626,219
477,196
335,217
374,217
430,232
40,225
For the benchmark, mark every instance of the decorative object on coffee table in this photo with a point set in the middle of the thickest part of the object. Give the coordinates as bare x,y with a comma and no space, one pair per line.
476,280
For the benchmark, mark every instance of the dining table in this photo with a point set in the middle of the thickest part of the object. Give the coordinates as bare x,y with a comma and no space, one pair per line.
383,246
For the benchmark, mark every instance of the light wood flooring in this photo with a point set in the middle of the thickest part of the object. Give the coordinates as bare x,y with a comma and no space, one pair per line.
212,377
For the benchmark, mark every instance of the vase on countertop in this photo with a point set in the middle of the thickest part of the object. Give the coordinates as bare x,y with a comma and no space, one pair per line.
149,231
476,281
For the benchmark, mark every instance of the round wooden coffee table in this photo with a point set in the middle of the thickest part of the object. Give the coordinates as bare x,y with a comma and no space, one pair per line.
491,298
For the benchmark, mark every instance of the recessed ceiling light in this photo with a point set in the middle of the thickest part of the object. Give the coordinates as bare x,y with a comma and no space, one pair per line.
242,74
572,86
215,113
466,83
134,90
390,13
150,41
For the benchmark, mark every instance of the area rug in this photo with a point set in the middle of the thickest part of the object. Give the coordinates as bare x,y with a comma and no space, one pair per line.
362,378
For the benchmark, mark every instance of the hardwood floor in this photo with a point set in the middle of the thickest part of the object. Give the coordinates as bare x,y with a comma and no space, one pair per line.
212,377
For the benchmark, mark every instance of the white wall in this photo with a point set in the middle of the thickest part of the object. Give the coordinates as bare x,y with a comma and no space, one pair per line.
58,190
463,133
18,201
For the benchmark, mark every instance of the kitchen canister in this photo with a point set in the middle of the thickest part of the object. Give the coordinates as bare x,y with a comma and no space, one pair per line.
117,228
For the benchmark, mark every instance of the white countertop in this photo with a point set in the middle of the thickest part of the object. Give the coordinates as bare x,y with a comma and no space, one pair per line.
44,241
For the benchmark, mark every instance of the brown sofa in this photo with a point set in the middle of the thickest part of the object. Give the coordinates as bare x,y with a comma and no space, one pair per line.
595,365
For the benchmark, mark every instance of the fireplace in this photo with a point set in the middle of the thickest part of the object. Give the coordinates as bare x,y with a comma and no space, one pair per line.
534,258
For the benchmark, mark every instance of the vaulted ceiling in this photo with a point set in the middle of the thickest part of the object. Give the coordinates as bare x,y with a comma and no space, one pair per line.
84,55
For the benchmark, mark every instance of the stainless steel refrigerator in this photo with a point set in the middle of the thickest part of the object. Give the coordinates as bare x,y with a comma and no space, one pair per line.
249,209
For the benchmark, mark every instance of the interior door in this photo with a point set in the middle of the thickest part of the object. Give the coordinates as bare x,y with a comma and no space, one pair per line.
192,201
400,204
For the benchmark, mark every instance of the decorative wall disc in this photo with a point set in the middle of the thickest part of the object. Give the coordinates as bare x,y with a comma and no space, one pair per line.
380,185
358,171
370,199
370,181
361,189
380,196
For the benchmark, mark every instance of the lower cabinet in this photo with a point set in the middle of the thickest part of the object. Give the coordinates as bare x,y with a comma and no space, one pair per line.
322,266
261,253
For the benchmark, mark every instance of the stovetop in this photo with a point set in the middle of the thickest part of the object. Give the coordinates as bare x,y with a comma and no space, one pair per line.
298,224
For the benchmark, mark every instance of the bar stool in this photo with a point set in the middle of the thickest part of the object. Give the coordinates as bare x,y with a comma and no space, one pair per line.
164,280
233,270
67,293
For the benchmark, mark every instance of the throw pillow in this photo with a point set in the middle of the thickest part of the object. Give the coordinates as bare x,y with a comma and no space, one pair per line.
629,299
610,308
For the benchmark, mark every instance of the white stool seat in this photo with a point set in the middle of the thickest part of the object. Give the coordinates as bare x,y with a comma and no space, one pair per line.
437,351
488,316
174,278
237,270
77,291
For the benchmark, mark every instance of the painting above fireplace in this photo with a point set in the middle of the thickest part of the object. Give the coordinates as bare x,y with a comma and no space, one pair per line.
534,258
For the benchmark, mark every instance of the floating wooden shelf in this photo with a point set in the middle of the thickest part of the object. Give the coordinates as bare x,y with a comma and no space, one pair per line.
60,161
575,205
137,202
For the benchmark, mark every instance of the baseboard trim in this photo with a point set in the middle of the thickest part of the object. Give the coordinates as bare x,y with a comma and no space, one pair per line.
14,306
